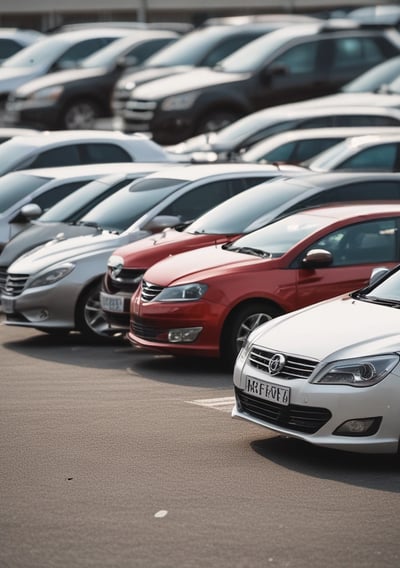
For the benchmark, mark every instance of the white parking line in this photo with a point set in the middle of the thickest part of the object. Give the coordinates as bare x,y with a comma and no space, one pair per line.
224,404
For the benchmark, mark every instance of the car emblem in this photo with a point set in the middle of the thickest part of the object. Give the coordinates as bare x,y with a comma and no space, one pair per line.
276,363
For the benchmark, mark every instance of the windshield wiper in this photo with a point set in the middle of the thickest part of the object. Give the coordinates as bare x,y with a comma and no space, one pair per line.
381,301
89,224
251,250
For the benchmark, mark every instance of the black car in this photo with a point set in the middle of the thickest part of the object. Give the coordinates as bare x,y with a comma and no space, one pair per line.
290,64
75,98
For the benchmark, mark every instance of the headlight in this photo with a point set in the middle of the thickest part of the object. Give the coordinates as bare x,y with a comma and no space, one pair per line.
185,293
52,276
179,102
363,372
116,263
49,94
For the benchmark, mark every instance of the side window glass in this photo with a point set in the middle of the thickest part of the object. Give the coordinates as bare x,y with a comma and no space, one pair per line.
379,158
8,47
142,51
306,149
364,120
373,241
352,52
103,153
49,198
61,156
299,59
281,154
225,48
318,122
81,50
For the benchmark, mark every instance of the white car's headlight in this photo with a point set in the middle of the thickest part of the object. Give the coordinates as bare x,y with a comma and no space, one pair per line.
179,102
48,94
52,276
184,293
363,372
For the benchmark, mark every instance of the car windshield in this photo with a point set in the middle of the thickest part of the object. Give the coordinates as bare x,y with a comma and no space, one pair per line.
258,52
373,79
15,186
244,211
65,209
119,211
388,291
40,53
107,56
189,50
276,239
12,152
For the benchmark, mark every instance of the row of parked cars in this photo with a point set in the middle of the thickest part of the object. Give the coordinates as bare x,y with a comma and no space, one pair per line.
236,258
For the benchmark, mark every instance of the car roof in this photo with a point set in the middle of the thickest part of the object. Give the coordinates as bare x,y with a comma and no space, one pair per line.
365,140
88,32
63,172
332,132
45,137
352,211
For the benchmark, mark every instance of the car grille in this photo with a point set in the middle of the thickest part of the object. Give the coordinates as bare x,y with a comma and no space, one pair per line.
120,97
126,281
15,283
149,291
144,331
139,112
3,278
306,419
294,368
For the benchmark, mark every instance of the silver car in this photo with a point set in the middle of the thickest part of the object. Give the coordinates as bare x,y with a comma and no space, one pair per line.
56,287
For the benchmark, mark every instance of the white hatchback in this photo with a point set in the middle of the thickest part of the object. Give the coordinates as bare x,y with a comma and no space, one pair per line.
328,374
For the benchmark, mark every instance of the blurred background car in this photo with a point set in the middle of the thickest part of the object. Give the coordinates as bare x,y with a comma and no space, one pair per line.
206,302
230,142
13,40
74,147
77,98
71,270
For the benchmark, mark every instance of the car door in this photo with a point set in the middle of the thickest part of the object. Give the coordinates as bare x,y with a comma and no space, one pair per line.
356,250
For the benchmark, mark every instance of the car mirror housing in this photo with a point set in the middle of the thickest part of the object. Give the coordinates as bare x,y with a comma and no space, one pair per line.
317,258
377,273
162,222
31,211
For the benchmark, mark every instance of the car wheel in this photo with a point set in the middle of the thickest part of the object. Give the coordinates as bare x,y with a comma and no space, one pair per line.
80,115
240,323
216,120
90,319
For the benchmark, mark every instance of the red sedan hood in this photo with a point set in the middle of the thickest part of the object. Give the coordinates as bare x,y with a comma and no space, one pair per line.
148,251
197,265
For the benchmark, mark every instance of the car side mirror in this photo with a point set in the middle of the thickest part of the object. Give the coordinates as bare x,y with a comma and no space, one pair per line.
377,274
317,258
162,222
28,213
271,71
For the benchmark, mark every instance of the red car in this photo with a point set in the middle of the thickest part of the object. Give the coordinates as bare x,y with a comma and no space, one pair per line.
241,214
206,301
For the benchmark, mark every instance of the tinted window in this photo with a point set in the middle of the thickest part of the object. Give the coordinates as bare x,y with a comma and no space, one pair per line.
226,47
52,196
379,158
15,186
102,153
299,59
62,156
8,47
81,50
356,52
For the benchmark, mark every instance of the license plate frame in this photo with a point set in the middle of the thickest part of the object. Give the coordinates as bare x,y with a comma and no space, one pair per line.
267,391
112,303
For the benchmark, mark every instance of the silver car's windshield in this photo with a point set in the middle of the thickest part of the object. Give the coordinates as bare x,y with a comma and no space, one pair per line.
40,53
15,186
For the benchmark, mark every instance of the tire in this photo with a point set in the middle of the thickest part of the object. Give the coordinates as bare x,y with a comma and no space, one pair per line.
89,317
216,120
80,115
238,326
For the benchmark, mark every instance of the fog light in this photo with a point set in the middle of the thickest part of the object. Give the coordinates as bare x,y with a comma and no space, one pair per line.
359,427
184,334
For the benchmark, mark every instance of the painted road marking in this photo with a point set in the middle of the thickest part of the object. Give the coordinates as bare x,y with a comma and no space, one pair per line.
224,404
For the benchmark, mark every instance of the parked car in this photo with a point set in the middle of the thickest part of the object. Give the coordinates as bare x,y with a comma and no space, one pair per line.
61,221
13,40
335,386
237,216
205,302
77,98
290,64
202,47
9,132
372,153
64,277
297,146
233,140
54,52
71,148
26,194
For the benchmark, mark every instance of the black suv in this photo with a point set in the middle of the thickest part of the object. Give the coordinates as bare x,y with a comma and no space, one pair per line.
290,64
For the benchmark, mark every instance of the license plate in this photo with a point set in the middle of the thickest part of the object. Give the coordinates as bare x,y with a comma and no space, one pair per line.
267,391
111,303
8,305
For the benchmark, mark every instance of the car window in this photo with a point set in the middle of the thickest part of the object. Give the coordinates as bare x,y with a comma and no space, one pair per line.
299,59
52,196
67,155
103,153
350,52
16,186
364,120
377,158
80,51
226,47
372,241
306,149
8,47
144,50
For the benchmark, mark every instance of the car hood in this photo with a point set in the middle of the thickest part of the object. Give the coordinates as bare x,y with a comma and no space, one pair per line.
142,76
144,253
72,249
38,234
346,330
199,264
10,79
197,79
59,78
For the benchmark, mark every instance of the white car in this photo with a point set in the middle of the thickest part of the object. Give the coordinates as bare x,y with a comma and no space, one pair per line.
328,374
12,40
77,147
